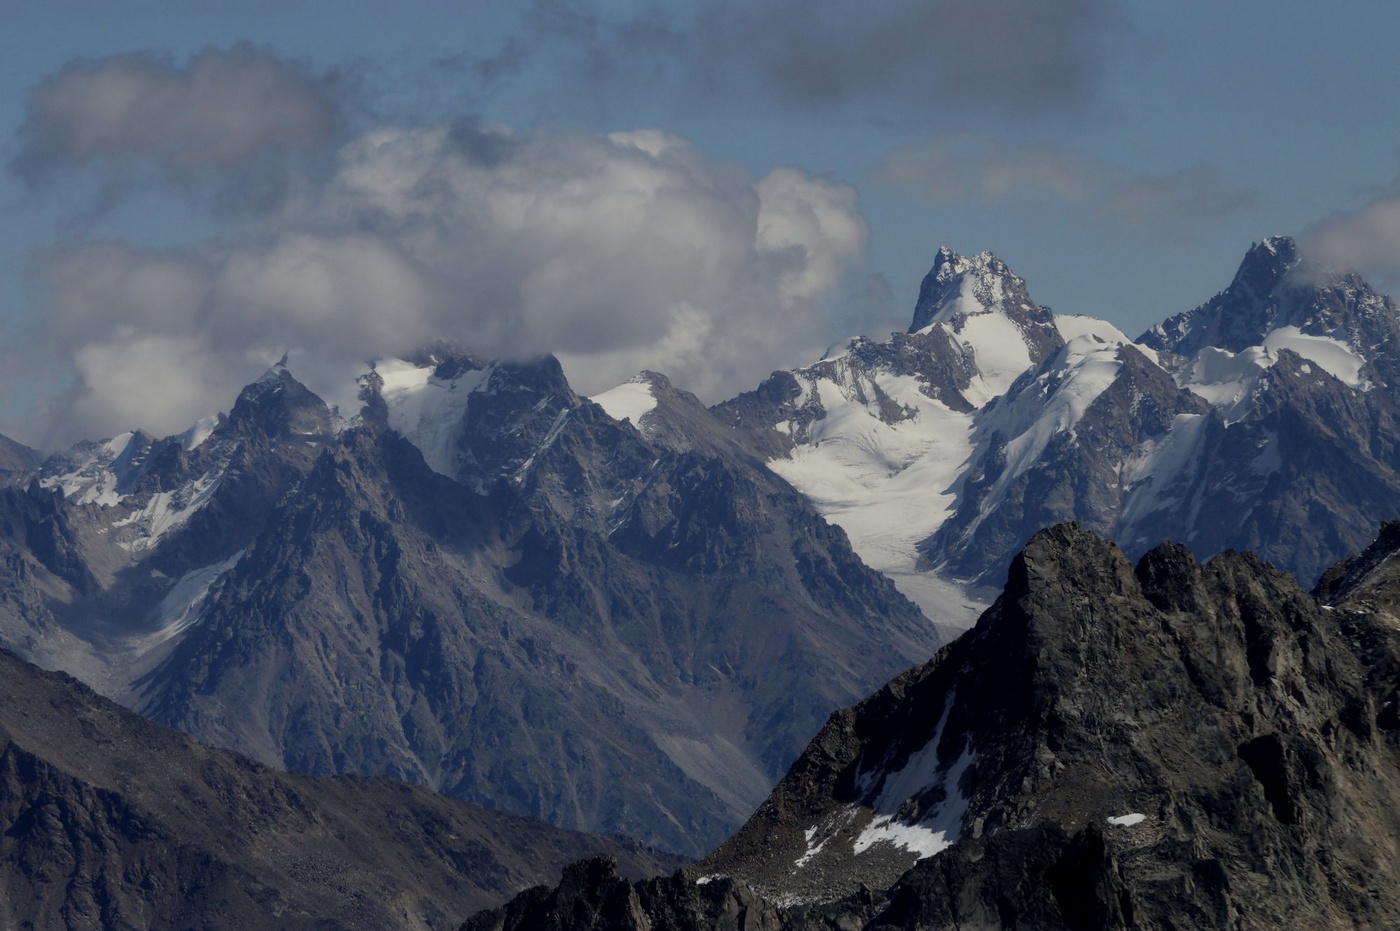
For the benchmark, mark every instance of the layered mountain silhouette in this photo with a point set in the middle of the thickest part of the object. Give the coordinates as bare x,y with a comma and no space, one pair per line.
110,821
1166,744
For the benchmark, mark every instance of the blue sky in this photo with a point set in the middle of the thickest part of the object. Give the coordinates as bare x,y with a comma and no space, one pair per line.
713,190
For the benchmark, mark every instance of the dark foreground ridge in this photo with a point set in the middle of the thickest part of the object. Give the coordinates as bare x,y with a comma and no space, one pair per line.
1112,746
110,821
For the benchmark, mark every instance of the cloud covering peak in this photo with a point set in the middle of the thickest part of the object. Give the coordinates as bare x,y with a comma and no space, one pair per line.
616,252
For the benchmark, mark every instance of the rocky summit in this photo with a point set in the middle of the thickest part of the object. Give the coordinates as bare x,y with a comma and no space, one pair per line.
1159,745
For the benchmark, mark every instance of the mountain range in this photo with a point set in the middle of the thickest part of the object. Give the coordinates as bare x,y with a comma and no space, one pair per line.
1262,420
483,584
630,613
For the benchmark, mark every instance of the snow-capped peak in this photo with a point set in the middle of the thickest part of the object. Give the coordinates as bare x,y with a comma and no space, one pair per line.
985,309
98,473
961,286
200,431
1279,300
274,372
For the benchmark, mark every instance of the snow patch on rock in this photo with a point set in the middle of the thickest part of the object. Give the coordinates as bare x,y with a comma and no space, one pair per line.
629,401
920,775
96,474
427,410
1331,355
194,437
166,511
1227,379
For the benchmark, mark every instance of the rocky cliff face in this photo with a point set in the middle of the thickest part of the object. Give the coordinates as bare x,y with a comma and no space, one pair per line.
110,821
16,459
1166,744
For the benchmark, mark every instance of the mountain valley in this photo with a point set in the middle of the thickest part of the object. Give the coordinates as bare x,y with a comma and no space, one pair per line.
112,821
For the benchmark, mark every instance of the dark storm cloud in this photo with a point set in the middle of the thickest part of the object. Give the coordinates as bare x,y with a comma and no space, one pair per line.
1019,53
483,146
220,110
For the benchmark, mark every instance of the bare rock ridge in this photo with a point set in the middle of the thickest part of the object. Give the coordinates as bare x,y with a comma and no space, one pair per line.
110,821
1166,744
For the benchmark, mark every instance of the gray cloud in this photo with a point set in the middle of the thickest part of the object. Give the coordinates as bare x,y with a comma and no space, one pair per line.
957,171
1018,53
898,59
218,111
1366,240
616,252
